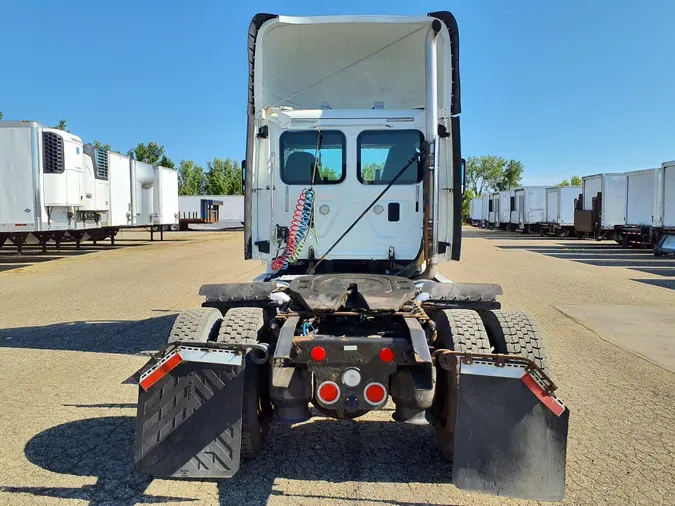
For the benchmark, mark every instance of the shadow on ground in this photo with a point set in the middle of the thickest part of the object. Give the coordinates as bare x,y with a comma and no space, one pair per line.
103,447
33,254
125,337
587,252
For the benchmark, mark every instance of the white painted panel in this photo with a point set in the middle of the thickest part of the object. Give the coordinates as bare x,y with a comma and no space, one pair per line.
17,198
641,198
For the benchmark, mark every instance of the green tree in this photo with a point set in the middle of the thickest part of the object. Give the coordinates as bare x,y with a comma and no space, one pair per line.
62,125
150,153
166,162
102,147
369,171
575,181
223,177
191,178
1,115
466,202
510,178
564,182
492,173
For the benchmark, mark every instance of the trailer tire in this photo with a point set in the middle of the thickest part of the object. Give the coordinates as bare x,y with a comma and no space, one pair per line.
458,330
515,333
199,324
243,325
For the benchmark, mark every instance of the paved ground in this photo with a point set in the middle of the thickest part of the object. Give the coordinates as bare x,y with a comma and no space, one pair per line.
73,329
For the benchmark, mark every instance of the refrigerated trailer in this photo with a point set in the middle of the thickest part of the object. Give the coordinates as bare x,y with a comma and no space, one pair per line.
485,209
165,198
51,187
642,225
351,310
493,210
506,205
530,208
560,205
476,211
666,209
601,205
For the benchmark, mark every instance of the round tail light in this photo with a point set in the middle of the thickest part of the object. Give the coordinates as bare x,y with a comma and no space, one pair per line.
375,393
318,354
328,392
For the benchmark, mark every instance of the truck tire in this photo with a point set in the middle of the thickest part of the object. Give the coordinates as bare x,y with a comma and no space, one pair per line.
242,325
458,330
515,333
200,324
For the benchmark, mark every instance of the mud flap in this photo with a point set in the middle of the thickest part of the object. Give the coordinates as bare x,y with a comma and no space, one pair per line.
510,437
189,421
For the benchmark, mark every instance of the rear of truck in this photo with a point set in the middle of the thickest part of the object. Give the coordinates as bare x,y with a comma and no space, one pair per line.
353,200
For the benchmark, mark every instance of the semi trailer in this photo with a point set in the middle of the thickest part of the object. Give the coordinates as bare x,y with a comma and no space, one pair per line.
485,208
641,227
601,206
52,187
665,210
476,211
506,206
352,202
493,210
560,206
530,208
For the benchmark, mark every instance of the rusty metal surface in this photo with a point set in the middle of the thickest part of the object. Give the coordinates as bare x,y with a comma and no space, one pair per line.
328,292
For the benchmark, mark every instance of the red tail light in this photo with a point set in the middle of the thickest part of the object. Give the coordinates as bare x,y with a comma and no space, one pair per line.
386,355
375,393
328,392
318,354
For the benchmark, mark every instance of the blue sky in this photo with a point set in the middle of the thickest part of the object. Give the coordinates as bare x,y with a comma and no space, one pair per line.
572,87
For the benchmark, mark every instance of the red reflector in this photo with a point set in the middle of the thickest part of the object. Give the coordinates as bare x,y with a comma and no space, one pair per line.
549,401
329,392
375,393
21,224
161,371
318,354
386,355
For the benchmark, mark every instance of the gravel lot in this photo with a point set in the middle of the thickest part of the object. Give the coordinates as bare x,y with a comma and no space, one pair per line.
74,328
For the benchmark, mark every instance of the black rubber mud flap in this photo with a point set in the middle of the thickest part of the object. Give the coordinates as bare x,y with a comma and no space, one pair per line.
189,423
507,442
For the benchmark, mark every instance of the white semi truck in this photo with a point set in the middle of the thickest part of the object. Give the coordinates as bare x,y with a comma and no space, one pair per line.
352,202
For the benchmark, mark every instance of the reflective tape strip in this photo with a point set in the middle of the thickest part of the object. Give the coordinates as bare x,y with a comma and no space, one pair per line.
187,354
224,357
160,370
483,369
552,403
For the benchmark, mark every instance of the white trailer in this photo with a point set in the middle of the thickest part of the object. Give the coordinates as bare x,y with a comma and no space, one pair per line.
493,210
165,199
560,204
642,204
485,209
142,194
665,210
119,170
530,208
506,205
50,186
476,211
602,206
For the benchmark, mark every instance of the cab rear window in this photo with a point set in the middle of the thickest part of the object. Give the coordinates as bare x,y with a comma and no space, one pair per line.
383,153
312,157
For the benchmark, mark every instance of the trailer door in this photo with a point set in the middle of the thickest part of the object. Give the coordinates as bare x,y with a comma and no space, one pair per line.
669,196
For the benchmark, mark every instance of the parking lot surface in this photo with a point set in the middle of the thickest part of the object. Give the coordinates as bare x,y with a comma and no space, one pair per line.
75,326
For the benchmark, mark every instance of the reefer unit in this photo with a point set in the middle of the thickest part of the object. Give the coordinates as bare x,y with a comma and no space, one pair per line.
530,207
165,198
47,181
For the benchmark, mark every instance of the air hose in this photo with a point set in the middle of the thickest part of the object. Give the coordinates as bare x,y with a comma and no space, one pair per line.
297,232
